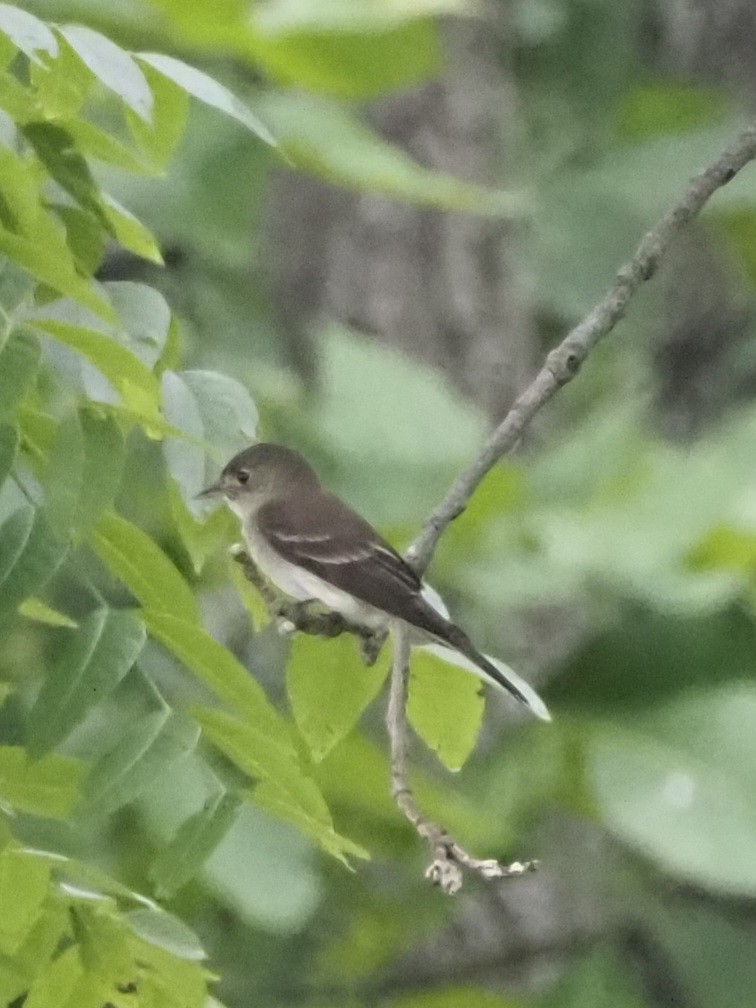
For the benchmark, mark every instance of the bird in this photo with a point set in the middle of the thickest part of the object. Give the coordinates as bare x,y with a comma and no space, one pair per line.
313,546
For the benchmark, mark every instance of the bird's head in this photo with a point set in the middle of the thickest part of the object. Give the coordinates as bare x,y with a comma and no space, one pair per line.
259,473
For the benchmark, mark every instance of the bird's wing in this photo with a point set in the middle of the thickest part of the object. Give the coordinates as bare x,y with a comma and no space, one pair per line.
324,536
319,533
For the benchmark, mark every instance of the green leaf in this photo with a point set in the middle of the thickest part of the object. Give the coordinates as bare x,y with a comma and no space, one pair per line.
201,539
101,145
56,150
19,361
46,787
23,889
197,837
20,204
87,667
104,453
145,318
159,740
328,139
221,671
311,817
160,928
45,255
159,139
679,787
138,561
134,382
427,433
8,446
202,87
666,107
284,790
61,85
129,231
329,688
84,471
56,984
352,63
211,407
34,954
63,480
114,67
40,612
27,33
30,553
85,237
445,707
643,656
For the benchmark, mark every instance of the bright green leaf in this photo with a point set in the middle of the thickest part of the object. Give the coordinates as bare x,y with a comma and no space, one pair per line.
61,85
85,237
56,984
45,255
20,204
124,371
180,860
97,143
46,787
221,671
445,707
201,539
284,790
23,889
329,688
87,667
129,231
138,561
40,612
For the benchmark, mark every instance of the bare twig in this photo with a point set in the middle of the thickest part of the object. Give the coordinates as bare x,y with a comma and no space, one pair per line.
447,857
564,362
559,368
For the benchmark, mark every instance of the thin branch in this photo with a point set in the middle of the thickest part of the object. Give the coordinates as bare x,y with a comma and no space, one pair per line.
559,368
448,858
564,362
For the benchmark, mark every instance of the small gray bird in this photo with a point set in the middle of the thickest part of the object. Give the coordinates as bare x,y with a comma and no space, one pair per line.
313,546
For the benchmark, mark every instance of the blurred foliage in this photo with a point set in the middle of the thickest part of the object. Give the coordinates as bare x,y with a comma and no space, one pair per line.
137,755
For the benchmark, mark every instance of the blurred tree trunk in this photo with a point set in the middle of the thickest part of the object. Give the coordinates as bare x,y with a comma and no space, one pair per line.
447,288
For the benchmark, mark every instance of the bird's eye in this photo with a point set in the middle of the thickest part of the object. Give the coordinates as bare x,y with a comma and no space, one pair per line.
242,476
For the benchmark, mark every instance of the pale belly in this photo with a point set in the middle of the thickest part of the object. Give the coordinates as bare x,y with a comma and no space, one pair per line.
302,585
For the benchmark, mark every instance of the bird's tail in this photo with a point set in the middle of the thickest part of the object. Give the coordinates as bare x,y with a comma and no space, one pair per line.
430,616
459,640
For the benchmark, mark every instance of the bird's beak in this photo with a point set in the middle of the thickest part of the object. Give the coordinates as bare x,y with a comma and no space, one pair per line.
212,491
